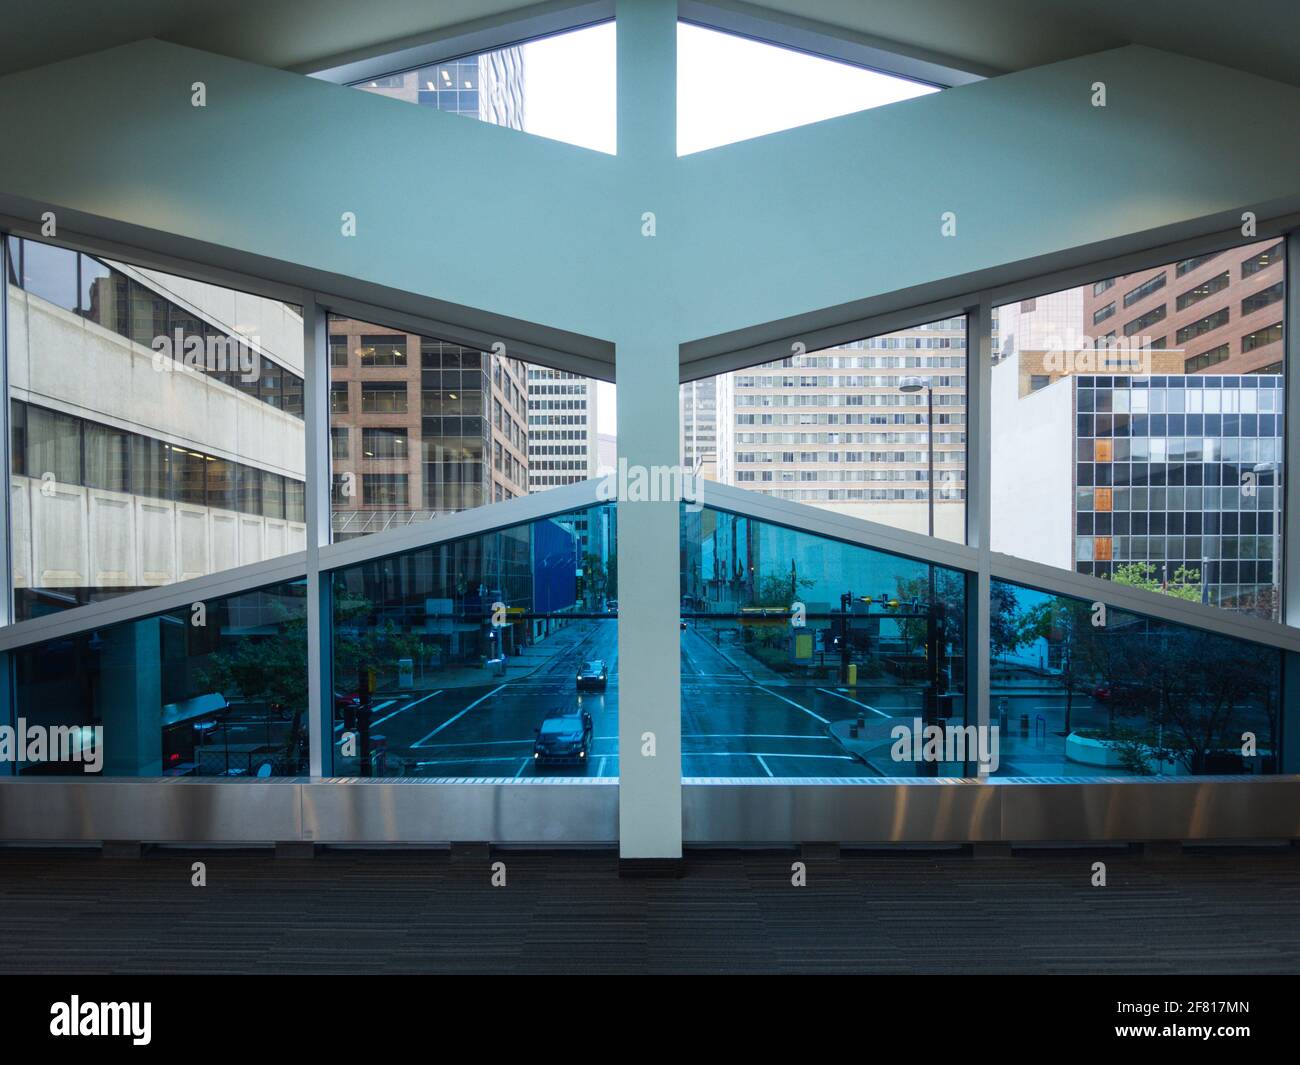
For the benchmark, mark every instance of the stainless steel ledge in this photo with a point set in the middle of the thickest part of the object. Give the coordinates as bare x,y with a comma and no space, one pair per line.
1013,810
569,811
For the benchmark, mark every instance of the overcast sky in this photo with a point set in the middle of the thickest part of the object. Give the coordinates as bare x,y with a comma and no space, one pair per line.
728,89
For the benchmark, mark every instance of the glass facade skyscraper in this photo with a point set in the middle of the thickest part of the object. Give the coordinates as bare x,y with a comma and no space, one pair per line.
1175,482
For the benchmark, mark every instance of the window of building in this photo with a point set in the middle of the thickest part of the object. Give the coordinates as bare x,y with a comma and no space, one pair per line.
1145,289
1202,326
1145,321
1204,290
382,350
1207,359
385,490
383,397
1186,266
1261,260
1265,297
1261,337
384,443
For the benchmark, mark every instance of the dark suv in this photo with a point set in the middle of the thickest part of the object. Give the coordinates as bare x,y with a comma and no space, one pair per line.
593,675
564,738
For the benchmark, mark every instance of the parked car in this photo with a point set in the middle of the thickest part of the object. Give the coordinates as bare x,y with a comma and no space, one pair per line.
593,676
564,738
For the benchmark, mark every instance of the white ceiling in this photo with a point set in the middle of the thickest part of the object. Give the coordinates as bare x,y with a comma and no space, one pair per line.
1001,35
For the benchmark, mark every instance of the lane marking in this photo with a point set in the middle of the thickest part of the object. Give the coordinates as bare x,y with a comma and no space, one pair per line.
841,695
403,709
456,717
830,757
388,702
752,736
764,765
783,699
522,766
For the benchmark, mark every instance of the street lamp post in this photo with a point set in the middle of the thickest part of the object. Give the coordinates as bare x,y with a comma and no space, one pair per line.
931,714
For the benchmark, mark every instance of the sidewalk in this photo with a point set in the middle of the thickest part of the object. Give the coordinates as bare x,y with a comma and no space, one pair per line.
742,660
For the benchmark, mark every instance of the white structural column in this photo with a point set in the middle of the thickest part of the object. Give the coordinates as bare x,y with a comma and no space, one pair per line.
646,367
315,361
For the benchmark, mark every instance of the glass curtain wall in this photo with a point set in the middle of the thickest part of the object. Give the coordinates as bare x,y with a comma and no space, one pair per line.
801,654
1080,691
212,689
491,656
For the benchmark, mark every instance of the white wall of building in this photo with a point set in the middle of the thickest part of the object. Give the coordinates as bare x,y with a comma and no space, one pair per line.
1032,477
68,536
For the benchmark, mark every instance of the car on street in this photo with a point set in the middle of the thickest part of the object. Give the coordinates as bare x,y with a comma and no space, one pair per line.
593,675
564,738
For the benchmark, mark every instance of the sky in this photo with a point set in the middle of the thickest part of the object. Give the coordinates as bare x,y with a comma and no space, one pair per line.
728,89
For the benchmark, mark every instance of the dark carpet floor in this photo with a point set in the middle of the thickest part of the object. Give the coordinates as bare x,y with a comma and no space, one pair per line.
1223,911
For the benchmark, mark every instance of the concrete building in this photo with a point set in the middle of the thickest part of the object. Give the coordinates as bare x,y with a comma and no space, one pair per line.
1175,470
833,428
420,427
562,445
1222,311
130,469
699,427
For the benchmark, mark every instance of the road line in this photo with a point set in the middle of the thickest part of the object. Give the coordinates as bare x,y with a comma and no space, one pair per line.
373,723
751,736
600,768
403,709
764,765
522,766
457,717
780,754
841,695
783,699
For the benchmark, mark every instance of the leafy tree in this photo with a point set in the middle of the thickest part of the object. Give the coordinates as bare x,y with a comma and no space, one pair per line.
274,669
1186,583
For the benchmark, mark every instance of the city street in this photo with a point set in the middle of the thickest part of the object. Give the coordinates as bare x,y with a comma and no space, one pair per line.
737,719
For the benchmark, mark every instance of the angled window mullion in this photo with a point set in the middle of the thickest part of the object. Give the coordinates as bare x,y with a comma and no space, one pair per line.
979,470
1290,540
316,427
7,766
6,555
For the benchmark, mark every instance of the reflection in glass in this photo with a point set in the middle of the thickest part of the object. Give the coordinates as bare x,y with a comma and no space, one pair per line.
453,660
227,697
882,644
1077,691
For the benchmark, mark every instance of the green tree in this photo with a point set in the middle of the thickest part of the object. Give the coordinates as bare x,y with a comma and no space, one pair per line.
1186,583
274,669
